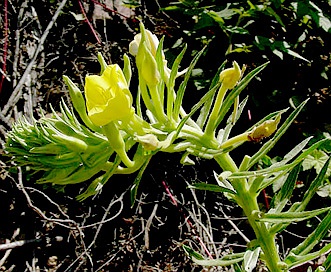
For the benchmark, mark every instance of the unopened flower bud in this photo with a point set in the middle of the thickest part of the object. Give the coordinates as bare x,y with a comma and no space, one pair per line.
150,71
264,130
230,77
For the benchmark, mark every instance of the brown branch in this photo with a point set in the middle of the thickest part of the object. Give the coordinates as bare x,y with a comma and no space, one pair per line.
16,94
148,225
5,46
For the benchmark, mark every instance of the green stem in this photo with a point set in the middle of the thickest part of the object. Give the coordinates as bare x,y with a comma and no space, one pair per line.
117,143
234,140
248,202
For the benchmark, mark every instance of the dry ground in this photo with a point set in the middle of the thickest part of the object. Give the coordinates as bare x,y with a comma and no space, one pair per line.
45,230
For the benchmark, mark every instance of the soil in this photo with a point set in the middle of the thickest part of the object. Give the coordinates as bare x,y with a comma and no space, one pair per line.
46,229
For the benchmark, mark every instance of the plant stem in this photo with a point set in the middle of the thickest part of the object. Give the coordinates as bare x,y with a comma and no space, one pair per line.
248,202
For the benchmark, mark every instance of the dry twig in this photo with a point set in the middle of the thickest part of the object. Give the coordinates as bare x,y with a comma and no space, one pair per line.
17,93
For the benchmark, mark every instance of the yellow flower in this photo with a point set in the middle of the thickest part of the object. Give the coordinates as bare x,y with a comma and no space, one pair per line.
229,77
107,96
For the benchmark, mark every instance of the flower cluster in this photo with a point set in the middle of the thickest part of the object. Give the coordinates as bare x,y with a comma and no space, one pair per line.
112,124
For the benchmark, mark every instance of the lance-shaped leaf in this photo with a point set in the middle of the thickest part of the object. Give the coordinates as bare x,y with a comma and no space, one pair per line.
195,108
97,184
315,237
205,110
225,261
301,206
211,187
327,263
282,197
171,96
286,217
182,87
315,184
134,187
293,260
279,166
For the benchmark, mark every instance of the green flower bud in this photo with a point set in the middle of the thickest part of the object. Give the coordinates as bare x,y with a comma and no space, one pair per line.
78,102
230,77
266,129
149,69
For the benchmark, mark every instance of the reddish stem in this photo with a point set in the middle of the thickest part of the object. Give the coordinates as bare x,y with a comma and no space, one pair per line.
5,46
110,10
265,196
88,22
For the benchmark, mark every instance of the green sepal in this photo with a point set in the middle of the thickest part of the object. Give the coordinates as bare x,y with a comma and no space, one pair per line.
127,69
78,102
102,62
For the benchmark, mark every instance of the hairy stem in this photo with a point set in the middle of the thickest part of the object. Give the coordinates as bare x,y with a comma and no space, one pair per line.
248,202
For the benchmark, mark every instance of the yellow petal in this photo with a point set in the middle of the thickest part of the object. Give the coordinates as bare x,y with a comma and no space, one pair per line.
107,96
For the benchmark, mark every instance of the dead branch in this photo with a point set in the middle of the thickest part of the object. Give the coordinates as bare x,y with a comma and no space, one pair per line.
17,93
148,225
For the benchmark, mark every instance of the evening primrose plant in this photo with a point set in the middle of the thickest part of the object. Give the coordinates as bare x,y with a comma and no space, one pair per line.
109,133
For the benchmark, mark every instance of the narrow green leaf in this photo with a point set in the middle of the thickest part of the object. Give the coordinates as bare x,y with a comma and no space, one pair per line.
327,263
286,217
317,182
279,166
275,15
98,183
171,83
315,237
225,261
296,260
211,187
196,107
296,55
182,87
297,149
192,253
134,187
205,110
281,198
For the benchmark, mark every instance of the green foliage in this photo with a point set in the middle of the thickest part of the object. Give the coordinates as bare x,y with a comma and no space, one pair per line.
241,18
